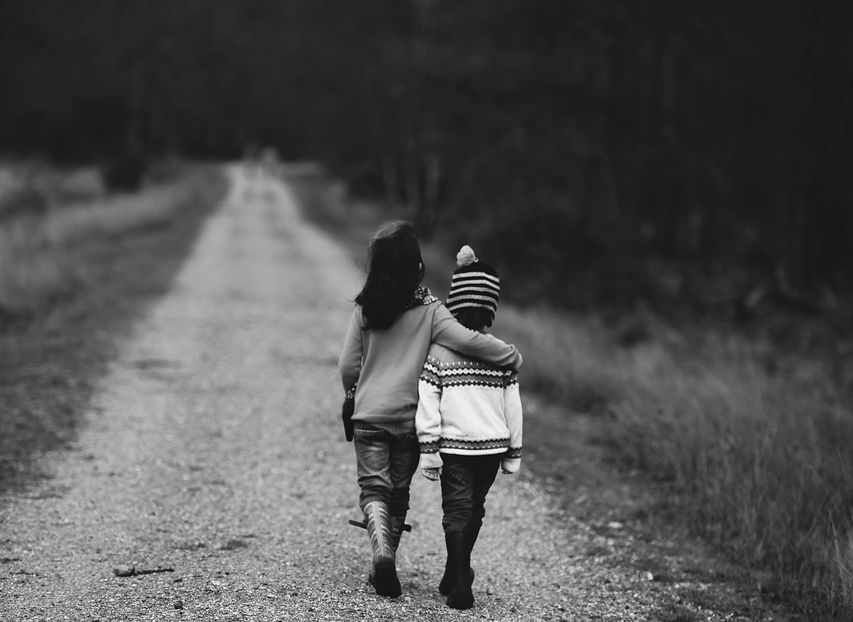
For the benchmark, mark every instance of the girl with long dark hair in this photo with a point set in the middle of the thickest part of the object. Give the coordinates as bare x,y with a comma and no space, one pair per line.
391,329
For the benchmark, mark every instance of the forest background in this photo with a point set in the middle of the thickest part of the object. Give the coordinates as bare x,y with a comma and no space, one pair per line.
677,174
669,151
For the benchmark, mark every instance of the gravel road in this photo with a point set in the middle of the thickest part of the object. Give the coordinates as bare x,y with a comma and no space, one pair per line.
213,466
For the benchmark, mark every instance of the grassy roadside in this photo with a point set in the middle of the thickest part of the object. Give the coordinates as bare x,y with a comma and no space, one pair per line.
750,447
736,440
71,284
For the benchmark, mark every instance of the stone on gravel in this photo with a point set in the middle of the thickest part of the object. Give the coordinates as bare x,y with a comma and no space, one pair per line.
124,570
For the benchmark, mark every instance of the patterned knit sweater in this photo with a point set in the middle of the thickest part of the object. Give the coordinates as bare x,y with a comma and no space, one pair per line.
467,407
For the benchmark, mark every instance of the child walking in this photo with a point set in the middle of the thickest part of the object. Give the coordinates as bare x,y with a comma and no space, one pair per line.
393,324
469,423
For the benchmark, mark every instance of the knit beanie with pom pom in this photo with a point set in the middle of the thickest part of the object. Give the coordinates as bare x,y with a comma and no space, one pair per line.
474,284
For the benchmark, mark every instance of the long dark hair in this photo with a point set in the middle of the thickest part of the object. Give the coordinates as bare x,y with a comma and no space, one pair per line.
395,269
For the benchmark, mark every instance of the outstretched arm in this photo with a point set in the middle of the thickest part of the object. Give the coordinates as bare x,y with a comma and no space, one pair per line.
448,332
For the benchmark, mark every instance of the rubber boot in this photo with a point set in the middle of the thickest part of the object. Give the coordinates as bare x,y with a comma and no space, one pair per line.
397,523
470,540
449,577
385,580
471,536
460,593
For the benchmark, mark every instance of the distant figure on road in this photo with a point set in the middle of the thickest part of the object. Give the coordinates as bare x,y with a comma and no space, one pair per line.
469,423
391,329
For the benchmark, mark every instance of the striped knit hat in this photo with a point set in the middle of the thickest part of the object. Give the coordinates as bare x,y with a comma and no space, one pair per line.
474,284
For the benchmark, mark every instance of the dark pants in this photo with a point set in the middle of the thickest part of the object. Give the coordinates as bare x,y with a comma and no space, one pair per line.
465,482
386,460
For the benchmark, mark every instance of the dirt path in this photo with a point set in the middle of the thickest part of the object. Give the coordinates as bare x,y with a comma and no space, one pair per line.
213,455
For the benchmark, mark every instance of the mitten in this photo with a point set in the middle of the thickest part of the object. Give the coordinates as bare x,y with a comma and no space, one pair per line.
510,465
431,466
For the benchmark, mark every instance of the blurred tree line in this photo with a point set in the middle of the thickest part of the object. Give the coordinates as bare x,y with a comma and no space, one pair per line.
596,150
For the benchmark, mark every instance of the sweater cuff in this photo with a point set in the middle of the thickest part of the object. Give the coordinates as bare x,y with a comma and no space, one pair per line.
512,452
430,447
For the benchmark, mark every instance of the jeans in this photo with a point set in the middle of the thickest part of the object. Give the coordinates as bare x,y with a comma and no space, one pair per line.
465,482
386,460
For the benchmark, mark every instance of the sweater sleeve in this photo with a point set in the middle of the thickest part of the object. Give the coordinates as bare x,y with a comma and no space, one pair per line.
448,332
514,416
349,362
428,415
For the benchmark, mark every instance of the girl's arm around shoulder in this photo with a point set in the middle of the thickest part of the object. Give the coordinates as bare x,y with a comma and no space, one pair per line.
448,332
438,354
349,362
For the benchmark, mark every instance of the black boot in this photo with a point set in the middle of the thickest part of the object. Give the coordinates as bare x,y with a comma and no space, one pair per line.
460,592
471,535
449,577
470,540
385,580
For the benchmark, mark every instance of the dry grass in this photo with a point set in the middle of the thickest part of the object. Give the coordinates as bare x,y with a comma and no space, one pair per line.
753,440
36,265
755,443
27,186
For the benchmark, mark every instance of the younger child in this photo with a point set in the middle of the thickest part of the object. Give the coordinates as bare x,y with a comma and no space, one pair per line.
468,422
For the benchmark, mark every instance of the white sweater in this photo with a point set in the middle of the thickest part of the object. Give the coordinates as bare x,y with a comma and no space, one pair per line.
467,407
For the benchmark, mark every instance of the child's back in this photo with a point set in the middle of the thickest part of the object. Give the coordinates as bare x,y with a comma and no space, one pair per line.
468,407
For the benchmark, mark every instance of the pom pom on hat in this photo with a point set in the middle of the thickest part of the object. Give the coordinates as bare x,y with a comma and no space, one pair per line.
465,256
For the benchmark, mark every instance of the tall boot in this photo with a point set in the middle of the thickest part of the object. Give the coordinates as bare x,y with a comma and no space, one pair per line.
385,580
470,540
460,592
471,535
449,577
397,523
